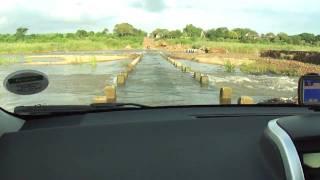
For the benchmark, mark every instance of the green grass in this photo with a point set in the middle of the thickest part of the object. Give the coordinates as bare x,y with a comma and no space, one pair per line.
229,67
243,48
7,61
70,45
265,68
93,61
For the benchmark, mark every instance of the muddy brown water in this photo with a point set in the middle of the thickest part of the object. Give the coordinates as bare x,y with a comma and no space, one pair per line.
154,82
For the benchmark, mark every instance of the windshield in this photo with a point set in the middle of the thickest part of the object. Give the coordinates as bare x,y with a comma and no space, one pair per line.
156,53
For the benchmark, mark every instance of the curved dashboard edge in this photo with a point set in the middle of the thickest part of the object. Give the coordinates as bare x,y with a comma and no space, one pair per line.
288,151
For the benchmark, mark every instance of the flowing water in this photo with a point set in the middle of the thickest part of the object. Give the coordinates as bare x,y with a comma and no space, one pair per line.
68,84
260,87
154,82
157,82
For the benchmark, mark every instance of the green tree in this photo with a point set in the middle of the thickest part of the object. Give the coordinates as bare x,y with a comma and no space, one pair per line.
317,40
82,33
91,33
211,34
21,33
139,32
70,35
160,33
222,32
192,31
57,35
105,31
246,34
307,37
233,35
175,34
250,36
297,40
124,29
284,37
269,36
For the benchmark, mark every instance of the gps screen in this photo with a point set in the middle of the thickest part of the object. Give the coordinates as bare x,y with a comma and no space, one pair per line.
311,91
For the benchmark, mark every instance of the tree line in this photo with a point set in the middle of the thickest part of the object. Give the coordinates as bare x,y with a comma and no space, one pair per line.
126,30
244,35
123,30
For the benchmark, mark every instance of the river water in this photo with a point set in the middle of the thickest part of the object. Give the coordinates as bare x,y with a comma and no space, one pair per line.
260,87
68,84
154,82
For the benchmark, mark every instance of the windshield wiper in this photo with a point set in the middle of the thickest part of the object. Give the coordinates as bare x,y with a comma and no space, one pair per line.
71,109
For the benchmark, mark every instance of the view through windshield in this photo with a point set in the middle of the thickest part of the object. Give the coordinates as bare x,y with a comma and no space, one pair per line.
158,53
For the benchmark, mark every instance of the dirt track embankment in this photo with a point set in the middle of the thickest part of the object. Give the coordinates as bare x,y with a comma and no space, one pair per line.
301,56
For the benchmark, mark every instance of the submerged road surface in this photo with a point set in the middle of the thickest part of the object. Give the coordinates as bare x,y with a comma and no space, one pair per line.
156,82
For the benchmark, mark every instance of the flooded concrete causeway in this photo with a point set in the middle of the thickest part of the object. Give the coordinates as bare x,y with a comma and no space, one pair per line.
156,82
152,81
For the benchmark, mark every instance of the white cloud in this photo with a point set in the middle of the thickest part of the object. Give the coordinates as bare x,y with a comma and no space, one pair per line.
291,16
150,5
3,20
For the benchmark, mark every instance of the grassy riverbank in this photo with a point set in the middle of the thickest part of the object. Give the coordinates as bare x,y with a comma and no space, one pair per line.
69,45
242,48
245,56
261,67
252,65
8,61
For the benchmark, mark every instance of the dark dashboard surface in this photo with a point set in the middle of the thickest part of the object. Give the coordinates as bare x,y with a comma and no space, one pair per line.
173,143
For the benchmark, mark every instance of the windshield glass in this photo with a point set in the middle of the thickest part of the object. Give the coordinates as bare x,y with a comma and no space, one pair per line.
157,53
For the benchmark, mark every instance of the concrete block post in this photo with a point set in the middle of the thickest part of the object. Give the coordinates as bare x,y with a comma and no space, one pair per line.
188,69
194,74
129,69
245,100
125,74
204,80
197,76
225,95
121,80
111,94
182,68
99,100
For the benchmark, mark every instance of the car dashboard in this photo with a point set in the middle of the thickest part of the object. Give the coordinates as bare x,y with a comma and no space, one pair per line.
196,142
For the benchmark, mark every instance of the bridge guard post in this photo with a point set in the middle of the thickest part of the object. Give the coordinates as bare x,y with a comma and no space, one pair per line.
121,80
225,95
197,76
125,74
204,80
111,94
99,100
245,100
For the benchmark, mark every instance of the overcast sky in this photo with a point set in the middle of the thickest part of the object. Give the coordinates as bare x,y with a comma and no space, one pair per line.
291,16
